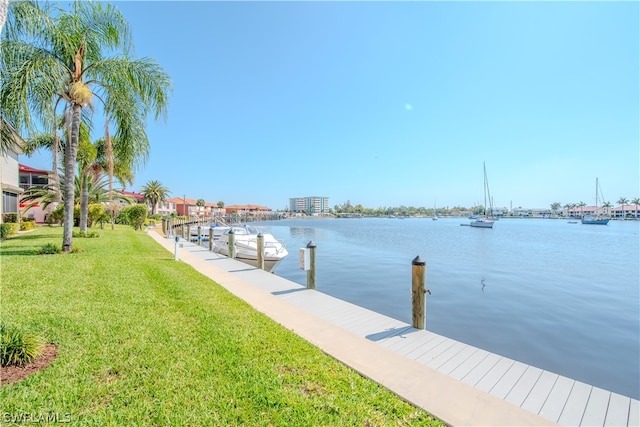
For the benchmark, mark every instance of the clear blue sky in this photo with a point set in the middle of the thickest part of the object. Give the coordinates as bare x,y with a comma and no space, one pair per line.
388,104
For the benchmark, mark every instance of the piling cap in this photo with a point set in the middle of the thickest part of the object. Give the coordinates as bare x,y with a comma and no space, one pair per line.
311,244
260,235
418,261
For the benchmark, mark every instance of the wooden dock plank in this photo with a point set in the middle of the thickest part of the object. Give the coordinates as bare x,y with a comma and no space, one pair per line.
397,331
481,369
494,375
540,392
430,346
576,403
596,411
422,347
508,380
435,352
634,413
407,342
618,411
468,365
557,399
523,386
457,360
373,326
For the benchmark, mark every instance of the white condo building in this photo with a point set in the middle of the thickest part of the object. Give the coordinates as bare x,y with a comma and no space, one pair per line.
313,205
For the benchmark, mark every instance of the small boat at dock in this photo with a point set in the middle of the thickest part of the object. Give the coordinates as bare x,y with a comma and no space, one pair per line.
246,245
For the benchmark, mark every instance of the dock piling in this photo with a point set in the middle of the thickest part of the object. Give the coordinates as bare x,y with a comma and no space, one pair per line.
260,249
231,244
418,292
311,273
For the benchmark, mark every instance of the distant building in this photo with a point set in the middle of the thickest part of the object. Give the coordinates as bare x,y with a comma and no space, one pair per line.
30,177
247,210
313,205
184,206
10,182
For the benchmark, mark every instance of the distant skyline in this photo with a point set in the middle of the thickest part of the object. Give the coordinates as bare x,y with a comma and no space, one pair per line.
393,103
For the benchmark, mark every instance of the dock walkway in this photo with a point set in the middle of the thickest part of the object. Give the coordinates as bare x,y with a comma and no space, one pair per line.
456,382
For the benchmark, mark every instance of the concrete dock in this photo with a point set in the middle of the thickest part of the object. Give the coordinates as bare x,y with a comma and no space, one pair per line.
458,383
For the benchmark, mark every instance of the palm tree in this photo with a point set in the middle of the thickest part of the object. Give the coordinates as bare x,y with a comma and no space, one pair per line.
555,207
607,208
569,207
622,201
636,202
66,50
154,192
96,186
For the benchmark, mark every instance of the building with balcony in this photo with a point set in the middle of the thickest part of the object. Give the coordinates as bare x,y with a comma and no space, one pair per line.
312,205
31,177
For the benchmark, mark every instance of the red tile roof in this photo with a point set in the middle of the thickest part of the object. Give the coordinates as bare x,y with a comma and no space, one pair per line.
29,169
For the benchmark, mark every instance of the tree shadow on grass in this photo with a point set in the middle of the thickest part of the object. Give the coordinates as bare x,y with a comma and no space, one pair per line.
22,251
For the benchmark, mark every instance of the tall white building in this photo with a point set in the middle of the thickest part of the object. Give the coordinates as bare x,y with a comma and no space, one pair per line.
313,205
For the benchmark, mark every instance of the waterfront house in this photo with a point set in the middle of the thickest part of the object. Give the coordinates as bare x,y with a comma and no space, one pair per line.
625,212
183,206
250,210
9,181
31,177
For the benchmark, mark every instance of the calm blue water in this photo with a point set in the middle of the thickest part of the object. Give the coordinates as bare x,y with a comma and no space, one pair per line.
559,296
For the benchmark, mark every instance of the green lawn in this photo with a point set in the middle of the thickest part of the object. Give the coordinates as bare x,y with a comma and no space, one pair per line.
145,340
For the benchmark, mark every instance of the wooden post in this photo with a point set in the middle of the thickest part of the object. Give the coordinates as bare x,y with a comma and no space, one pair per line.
184,231
260,249
210,239
418,292
231,244
311,273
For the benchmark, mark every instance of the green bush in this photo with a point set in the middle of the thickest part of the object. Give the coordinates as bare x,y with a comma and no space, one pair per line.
27,225
8,229
57,216
16,347
10,217
49,248
136,215
85,234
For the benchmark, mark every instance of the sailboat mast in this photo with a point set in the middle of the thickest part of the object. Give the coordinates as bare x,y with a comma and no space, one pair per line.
484,167
596,193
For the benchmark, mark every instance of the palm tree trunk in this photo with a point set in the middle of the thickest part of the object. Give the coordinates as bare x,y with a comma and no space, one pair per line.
110,172
70,155
84,201
54,166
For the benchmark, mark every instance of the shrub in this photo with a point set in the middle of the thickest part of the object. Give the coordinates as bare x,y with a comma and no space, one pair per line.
57,216
16,347
27,225
85,234
48,249
10,217
136,215
8,229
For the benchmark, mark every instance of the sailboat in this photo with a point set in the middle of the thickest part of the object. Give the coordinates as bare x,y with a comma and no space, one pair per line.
485,221
595,218
435,213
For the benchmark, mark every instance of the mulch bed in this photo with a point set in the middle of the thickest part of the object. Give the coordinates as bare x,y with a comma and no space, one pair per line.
12,374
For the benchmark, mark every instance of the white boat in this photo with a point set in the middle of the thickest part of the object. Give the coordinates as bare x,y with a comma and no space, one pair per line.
246,246
485,221
596,219
435,213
